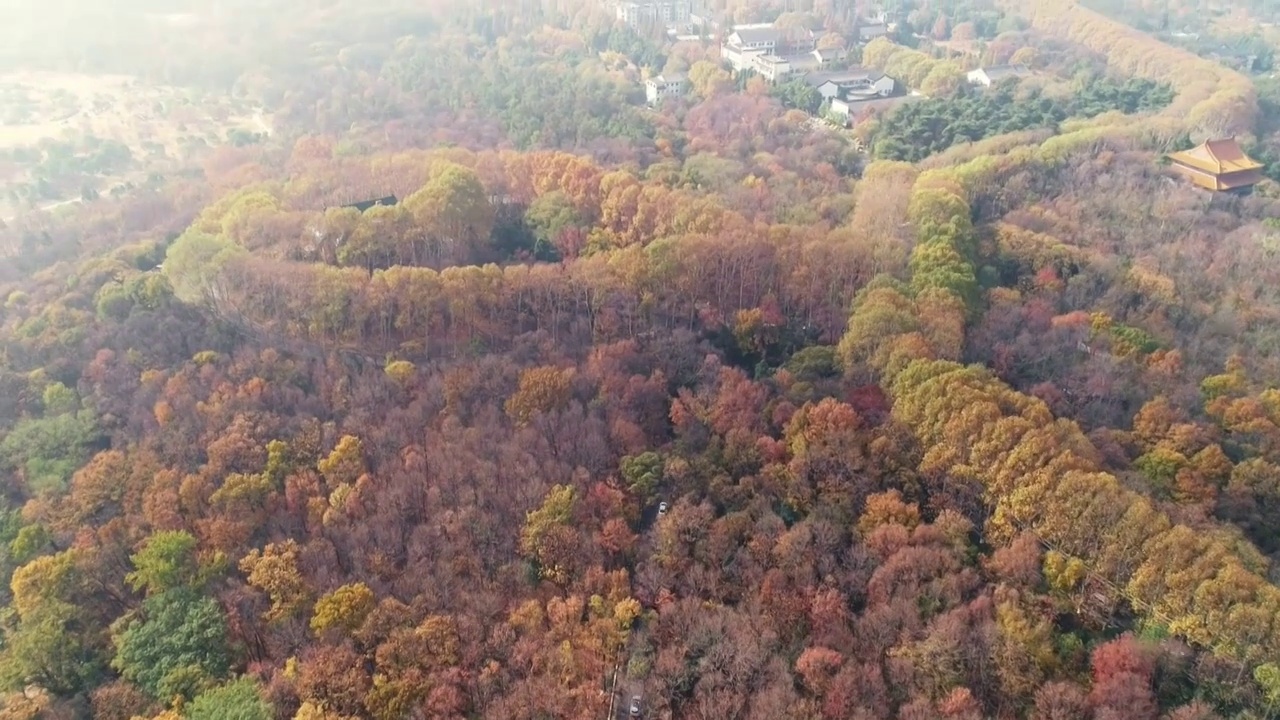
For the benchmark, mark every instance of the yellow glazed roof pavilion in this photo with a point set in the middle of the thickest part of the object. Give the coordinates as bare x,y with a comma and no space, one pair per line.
1219,157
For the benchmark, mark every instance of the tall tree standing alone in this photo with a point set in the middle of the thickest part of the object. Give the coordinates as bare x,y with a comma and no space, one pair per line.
453,214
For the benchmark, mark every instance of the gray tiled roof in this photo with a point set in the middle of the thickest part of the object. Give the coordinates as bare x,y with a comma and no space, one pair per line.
759,35
844,76
1000,72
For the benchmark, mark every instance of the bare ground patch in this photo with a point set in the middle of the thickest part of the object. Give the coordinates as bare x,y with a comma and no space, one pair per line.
64,135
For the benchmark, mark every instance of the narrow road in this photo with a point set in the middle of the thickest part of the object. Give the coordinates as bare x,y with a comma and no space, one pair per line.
44,207
627,689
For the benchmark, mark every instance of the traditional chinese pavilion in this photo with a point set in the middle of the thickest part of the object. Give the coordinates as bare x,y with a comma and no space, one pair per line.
1218,165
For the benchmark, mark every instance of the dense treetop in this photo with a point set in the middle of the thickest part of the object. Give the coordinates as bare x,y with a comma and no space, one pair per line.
981,424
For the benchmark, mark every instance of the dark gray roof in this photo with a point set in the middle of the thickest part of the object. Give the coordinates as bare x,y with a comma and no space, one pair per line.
366,204
1000,72
844,76
758,35
879,104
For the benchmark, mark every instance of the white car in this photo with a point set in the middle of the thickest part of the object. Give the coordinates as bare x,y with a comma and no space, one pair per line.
662,508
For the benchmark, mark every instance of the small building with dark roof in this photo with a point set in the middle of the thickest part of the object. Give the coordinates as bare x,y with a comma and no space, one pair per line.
852,84
989,76
868,31
826,56
366,204
756,37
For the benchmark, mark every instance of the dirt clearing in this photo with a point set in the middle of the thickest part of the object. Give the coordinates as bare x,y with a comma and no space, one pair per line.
64,136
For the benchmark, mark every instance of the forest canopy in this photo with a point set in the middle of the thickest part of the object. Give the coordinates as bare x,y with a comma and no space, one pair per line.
481,387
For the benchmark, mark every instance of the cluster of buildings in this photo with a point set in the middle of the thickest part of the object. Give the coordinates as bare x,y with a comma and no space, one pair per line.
655,12
782,54
1237,57
846,93
772,52
777,54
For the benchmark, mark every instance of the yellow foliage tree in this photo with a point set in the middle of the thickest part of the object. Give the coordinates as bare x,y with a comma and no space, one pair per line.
1043,476
343,609
401,371
887,508
1213,100
707,79
274,570
345,464
453,206
1024,652
547,525
542,390
312,710
30,704
944,78
440,636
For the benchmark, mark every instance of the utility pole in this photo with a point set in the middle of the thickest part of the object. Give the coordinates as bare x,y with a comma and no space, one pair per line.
613,691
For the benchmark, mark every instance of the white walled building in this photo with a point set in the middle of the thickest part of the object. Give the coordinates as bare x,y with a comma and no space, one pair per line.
661,87
771,52
666,12
988,76
853,84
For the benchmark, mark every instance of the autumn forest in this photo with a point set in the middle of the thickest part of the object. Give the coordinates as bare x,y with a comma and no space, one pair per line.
704,408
